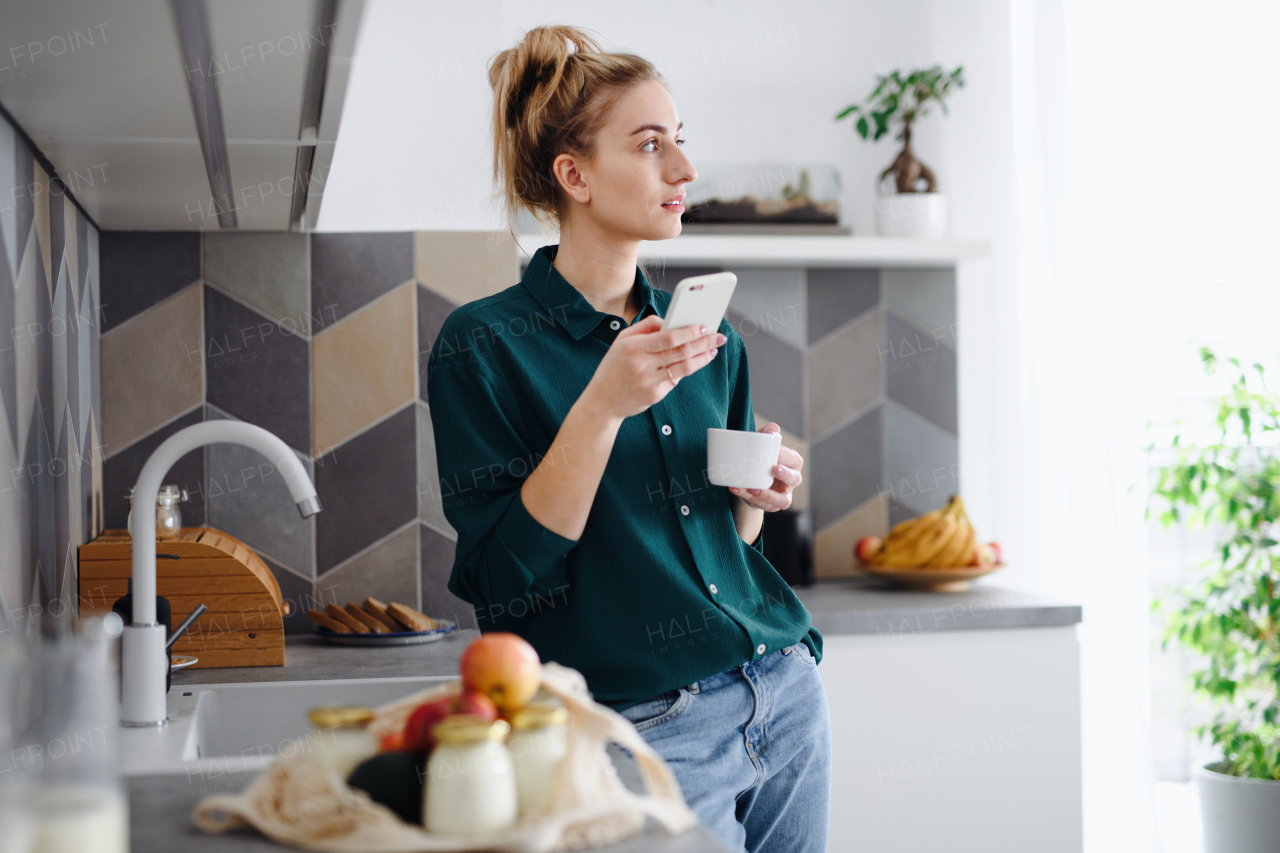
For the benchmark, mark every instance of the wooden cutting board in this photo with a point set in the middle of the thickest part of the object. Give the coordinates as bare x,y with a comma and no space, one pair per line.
244,625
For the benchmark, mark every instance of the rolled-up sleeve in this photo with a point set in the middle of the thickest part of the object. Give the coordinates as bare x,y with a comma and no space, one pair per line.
503,552
741,416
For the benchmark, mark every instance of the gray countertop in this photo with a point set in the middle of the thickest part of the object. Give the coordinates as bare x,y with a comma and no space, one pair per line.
870,606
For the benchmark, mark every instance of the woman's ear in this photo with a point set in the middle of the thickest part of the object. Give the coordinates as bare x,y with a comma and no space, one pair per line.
571,180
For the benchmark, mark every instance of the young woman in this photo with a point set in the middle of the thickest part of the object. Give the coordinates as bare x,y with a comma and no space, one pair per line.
571,441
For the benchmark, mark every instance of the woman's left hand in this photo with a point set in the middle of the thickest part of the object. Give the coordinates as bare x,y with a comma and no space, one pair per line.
786,476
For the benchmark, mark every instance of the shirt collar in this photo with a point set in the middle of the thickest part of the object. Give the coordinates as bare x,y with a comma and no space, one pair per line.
566,304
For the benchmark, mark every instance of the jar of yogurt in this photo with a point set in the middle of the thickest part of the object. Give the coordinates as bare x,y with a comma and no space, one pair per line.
470,785
340,739
538,744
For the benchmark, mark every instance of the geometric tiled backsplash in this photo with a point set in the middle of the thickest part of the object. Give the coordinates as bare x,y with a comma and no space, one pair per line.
858,367
322,339
50,416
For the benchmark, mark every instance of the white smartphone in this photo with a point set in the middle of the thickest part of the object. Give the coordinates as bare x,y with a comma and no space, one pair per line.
700,301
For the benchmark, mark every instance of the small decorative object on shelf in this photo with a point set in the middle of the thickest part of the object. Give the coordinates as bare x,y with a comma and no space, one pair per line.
729,197
909,205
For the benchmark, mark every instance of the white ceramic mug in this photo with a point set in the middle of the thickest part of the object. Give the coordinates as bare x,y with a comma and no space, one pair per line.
743,459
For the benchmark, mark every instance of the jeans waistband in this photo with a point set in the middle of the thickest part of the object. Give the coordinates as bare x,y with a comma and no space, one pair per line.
729,674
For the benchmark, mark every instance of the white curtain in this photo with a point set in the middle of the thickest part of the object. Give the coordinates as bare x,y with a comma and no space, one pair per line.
1135,217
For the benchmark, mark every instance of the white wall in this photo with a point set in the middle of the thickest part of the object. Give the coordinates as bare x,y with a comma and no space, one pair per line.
753,81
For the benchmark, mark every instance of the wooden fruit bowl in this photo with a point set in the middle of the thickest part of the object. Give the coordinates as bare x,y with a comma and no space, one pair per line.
933,580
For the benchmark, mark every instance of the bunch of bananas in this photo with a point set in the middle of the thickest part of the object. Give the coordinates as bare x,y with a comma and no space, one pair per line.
940,539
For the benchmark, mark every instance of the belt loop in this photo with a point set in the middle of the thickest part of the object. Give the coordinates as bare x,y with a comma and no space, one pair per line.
693,688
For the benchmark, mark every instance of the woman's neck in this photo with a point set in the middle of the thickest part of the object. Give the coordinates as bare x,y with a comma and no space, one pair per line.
601,267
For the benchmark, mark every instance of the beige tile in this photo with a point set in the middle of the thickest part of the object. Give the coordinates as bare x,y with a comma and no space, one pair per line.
833,546
71,245
96,524
387,571
363,368
463,266
799,498
846,373
40,197
152,368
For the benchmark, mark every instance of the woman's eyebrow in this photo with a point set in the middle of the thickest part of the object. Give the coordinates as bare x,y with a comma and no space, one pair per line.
660,128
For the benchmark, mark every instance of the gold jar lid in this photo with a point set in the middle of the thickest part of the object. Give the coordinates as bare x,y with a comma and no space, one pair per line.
340,717
539,715
469,728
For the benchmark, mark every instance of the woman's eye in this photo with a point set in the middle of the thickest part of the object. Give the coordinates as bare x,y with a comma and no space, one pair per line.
680,142
650,145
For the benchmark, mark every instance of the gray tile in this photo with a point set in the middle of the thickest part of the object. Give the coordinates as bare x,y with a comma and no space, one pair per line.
845,468
388,571
430,502
773,301
269,270
921,374
368,488
120,471
299,592
351,270
846,373
836,296
921,461
255,371
437,564
925,298
140,268
777,377
248,498
433,310
8,326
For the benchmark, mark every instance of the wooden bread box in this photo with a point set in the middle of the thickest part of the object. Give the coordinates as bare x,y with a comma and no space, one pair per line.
244,625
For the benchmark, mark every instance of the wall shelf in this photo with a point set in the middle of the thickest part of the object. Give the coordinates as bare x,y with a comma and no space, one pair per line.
798,251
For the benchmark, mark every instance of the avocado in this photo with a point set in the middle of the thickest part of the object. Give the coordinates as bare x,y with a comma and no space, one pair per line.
394,779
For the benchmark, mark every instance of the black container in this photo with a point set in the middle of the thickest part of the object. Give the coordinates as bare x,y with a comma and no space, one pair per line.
788,544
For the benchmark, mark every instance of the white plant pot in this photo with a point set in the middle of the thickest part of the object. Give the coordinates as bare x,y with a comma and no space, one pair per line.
912,215
1239,815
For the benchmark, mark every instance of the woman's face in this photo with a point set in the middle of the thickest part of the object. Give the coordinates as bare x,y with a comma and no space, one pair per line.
634,185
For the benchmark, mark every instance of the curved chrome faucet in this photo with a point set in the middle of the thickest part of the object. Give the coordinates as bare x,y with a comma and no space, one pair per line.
143,658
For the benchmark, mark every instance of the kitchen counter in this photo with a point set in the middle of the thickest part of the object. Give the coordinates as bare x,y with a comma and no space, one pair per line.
870,606
160,822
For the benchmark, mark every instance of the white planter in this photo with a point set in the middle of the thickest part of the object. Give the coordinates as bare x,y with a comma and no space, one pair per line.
912,215
1239,815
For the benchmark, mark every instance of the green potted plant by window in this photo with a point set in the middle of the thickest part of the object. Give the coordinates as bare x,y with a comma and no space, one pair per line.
909,205
1230,617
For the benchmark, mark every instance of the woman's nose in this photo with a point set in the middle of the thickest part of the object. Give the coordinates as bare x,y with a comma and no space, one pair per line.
682,169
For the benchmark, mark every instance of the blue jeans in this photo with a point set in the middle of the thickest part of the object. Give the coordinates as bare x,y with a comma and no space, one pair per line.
751,749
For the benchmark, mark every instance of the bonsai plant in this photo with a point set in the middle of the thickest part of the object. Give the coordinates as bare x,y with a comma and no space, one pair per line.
902,98
1231,616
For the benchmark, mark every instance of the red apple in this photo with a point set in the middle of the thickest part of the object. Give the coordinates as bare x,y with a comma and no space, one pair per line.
504,667
866,548
417,729
999,553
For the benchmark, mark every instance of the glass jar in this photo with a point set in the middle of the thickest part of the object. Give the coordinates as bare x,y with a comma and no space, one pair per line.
471,785
341,739
168,514
538,743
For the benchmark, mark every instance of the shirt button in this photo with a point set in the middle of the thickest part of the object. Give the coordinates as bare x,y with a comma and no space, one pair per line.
713,589
760,649
684,509
615,325
666,429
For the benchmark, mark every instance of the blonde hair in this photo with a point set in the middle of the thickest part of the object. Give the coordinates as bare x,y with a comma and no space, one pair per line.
551,93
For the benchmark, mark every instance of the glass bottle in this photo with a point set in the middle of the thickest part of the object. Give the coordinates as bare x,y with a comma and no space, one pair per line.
538,744
168,513
471,785
340,740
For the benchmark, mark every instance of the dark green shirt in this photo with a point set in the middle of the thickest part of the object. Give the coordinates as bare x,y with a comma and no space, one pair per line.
660,590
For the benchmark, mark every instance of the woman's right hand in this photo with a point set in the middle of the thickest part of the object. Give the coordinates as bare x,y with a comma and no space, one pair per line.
645,363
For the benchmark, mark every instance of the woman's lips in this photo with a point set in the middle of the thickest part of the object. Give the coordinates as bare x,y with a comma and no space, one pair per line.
675,205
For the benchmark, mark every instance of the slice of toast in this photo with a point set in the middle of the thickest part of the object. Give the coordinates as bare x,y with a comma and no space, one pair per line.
378,610
414,620
370,624
346,619
326,622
